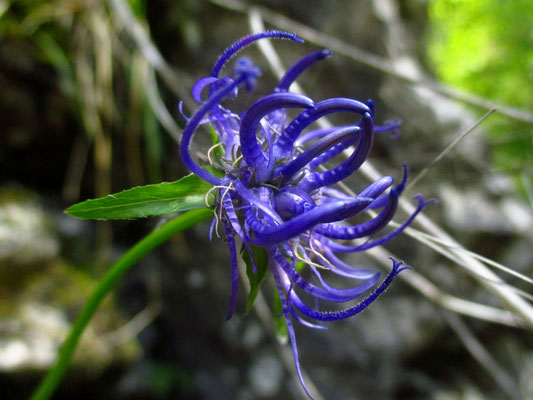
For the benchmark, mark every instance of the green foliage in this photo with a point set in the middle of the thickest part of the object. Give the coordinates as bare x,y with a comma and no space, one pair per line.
186,194
282,332
164,377
218,151
138,7
485,47
261,261
299,265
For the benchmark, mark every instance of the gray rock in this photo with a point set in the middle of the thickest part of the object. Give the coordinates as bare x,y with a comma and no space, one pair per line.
471,210
26,234
266,375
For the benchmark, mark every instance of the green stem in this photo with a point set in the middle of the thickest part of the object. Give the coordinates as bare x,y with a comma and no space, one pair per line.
106,284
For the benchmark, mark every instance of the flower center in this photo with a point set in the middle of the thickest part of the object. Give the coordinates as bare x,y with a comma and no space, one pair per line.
290,202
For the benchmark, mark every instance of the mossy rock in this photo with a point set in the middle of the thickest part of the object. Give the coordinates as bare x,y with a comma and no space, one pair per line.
38,317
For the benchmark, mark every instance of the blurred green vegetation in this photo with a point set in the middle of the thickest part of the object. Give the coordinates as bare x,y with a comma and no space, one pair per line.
166,377
486,47
104,80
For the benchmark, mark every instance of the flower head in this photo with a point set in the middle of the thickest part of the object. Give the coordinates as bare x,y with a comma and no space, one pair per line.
277,193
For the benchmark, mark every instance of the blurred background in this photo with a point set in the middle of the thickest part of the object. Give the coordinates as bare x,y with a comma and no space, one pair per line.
89,93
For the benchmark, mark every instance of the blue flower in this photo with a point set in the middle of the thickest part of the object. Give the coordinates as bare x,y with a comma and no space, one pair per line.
277,194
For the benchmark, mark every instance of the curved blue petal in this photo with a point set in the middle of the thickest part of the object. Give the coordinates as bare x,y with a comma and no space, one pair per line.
300,66
314,180
329,293
288,170
269,235
193,123
240,44
251,150
283,147
199,87
343,269
344,232
350,312
290,328
234,271
339,248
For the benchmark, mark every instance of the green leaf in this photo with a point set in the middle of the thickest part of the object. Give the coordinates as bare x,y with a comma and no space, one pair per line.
299,266
185,194
213,133
261,261
282,332
218,151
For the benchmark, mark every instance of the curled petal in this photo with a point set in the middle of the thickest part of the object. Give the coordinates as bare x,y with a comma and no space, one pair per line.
234,271
284,145
212,226
290,327
199,87
339,248
290,202
389,126
315,180
231,215
327,194
383,200
328,293
269,235
210,105
300,66
317,148
377,187
337,149
335,231
250,148
253,200
316,134
372,106
193,123
401,186
343,269
180,109
333,151
372,191
246,41
305,323
288,288
245,66
340,315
